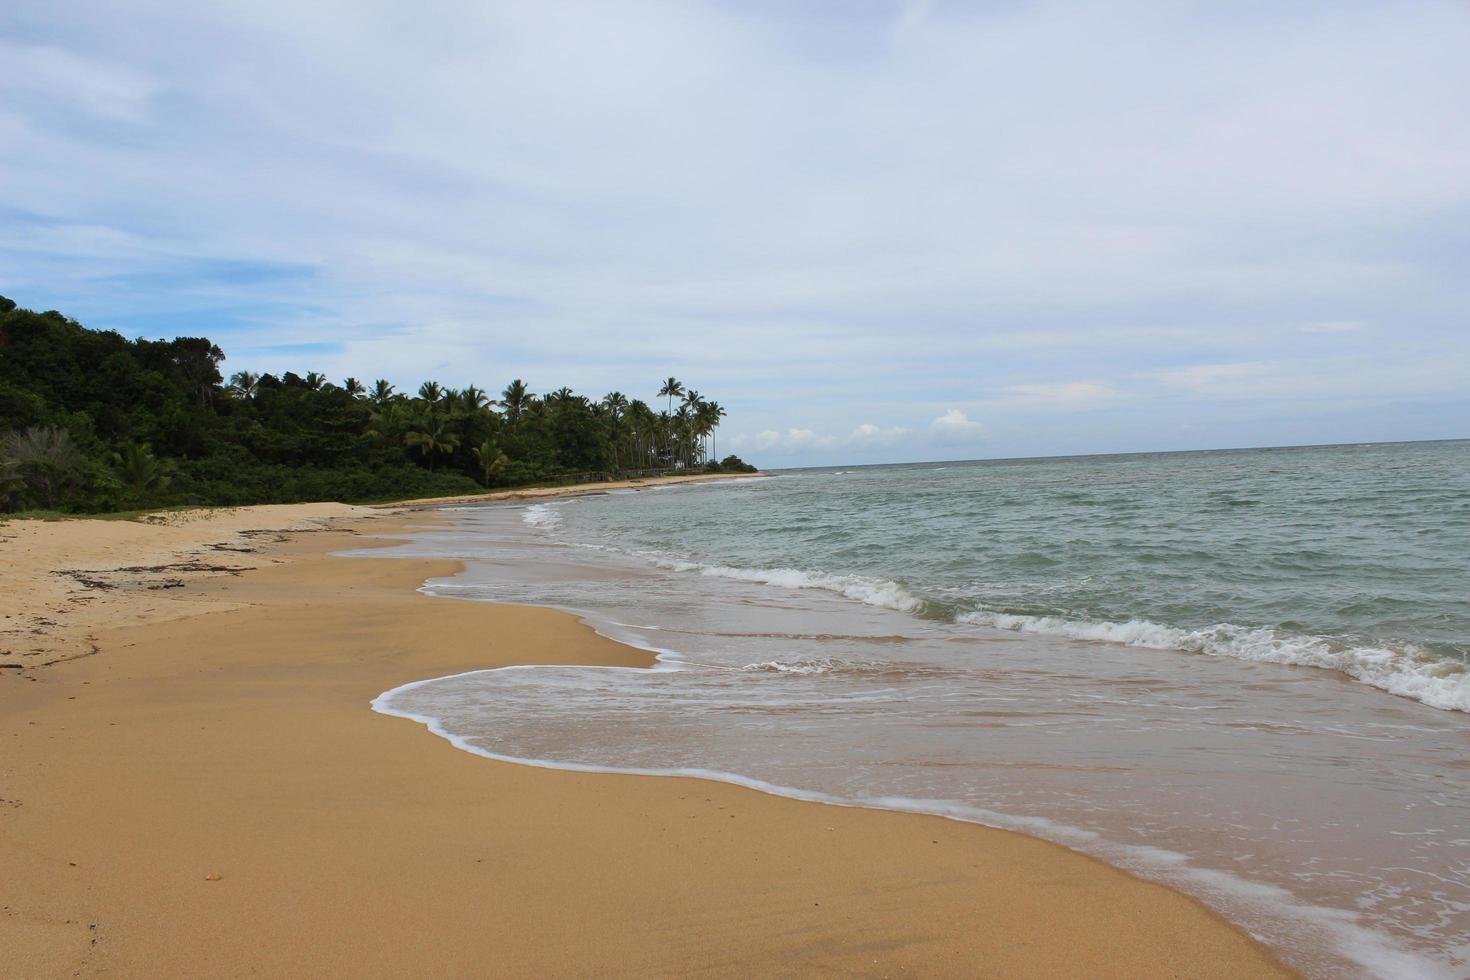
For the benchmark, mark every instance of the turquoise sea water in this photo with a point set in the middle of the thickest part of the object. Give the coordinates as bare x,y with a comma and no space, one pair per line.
1240,673
1356,557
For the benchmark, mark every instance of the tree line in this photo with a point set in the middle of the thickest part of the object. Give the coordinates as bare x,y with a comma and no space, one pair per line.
91,421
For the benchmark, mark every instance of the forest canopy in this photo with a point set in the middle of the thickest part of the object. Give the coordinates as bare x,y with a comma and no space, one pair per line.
91,421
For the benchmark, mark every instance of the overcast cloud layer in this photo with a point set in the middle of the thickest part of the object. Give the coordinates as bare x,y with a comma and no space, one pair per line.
873,231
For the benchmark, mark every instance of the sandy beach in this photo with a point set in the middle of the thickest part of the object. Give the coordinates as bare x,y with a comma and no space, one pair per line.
192,784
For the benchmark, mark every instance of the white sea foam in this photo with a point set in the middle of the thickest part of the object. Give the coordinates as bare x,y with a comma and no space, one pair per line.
873,591
1408,672
542,517
818,665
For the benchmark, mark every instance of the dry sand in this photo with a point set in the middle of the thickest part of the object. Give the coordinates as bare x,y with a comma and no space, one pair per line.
222,728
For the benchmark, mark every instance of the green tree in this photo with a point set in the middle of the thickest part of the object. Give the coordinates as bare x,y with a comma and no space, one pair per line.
516,399
139,471
244,384
432,435
382,393
45,459
95,419
492,461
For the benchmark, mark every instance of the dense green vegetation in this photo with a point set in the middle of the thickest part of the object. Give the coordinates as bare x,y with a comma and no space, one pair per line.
91,421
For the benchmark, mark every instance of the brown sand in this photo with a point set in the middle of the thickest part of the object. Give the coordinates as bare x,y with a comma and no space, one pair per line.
222,728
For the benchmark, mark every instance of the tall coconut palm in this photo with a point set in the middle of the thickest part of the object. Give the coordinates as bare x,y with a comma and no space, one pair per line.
353,387
692,402
315,380
681,434
431,392
516,398
643,422
616,404
672,388
714,412
382,393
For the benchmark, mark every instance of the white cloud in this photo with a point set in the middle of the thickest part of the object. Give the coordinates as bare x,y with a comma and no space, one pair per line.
788,443
954,428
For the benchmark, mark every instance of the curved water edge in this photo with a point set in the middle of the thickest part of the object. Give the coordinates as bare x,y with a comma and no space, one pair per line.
1221,891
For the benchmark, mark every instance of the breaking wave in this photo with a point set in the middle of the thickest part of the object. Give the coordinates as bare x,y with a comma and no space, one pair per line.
873,591
542,517
1408,672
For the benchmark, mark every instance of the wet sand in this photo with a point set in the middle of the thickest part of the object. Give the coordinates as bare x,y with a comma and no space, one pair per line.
220,726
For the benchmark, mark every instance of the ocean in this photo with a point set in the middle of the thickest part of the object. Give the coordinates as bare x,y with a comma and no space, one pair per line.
1244,674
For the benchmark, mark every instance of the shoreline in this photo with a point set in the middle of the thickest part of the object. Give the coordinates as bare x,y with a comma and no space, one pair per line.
569,490
348,844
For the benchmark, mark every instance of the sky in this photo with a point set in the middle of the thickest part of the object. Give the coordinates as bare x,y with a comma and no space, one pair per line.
873,231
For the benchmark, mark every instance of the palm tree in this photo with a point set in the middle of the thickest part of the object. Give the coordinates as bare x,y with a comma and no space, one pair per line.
472,399
244,384
431,392
45,458
616,404
516,398
714,411
561,395
492,460
139,470
314,380
681,434
643,423
673,388
692,401
388,421
353,387
382,393
431,436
